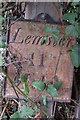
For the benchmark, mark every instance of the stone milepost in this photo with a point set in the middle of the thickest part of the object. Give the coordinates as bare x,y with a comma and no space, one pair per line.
37,61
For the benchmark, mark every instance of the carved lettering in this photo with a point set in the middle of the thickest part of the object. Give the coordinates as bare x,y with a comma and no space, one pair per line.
54,44
37,39
33,39
68,43
31,59
27,38
61,42
41,60
48,40
15,34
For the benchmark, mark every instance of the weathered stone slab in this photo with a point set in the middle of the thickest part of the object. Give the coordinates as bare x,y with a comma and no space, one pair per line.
38,61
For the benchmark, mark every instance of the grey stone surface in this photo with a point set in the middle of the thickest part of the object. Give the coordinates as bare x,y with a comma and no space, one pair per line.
34,9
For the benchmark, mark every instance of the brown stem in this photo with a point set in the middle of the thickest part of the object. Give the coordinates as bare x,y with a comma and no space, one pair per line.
22,93
3,110
60,52
58,13
75,102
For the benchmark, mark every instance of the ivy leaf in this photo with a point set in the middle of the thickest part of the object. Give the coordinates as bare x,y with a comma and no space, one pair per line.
23,78
52,90
74,3
47,28
67,110
55,33
16,115
26,88
1,60
76,47
2,44
71,30
68,30
44,40
3,38
70,17
57,85
26,111
55,29
44,100
75,0
55,36
75,55
39,85
4,116
23,113
1,19
75,58
77,30
13,108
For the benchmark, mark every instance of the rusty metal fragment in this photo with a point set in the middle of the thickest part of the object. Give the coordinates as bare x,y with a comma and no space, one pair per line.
37,61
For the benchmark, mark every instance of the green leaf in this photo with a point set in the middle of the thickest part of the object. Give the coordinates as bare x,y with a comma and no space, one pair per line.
47,28
16,115
75,55
70,17
57,85
79,32
55,28
23,78
76,30
44,98
76,47
2,44
1,19
55,37
4,116
55,33
74,0
13,108
52,90
26,88
26,111
1,60
39,85
74,3
71,30
23,113
44,40
68,30
75,58
67,110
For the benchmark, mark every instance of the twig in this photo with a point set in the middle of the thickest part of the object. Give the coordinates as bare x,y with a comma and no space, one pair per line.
60,53
22,93
58,13
54,109
17,52
15,101
37,115
16,20
6,65
4,110
75,102
8,27
15,91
